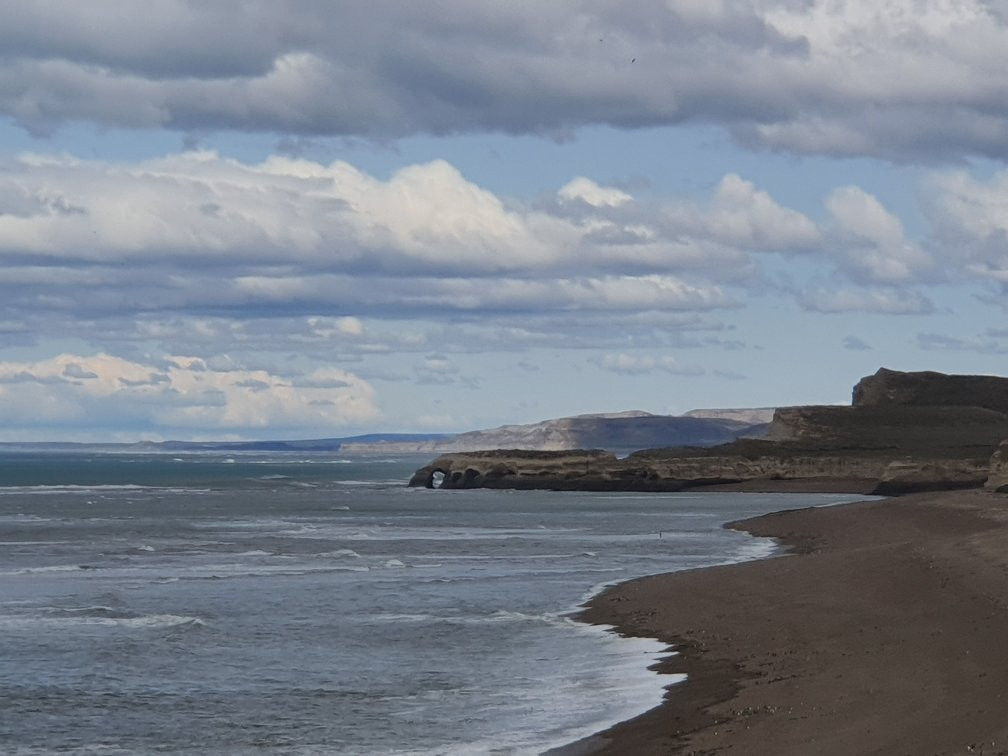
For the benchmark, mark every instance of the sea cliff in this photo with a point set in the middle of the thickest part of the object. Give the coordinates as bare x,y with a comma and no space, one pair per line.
902,433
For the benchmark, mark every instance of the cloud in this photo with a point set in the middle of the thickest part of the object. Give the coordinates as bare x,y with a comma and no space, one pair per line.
197,233
198,254
992,342
870,242
216,211
856,344
626,364
890,301
849,77
970,224
181,394
587,191
440,369
73,370
740,215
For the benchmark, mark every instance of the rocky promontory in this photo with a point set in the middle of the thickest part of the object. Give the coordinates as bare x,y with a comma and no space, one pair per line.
903,432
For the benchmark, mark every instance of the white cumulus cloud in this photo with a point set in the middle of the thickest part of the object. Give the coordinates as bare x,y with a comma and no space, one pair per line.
185,394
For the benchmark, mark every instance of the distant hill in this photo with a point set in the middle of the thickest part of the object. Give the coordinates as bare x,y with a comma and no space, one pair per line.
903,433
753,415
621,432
305,445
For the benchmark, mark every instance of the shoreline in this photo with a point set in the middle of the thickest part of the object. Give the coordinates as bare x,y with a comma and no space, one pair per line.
880,628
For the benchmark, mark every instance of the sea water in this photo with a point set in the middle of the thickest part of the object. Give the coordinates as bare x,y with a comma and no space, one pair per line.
302,603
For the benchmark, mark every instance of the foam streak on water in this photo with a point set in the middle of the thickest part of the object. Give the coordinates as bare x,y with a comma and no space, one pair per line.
201,604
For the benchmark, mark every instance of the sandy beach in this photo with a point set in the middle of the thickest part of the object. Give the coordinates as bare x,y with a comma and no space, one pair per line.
883,631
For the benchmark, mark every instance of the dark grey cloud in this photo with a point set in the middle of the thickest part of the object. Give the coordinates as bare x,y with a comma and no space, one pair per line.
817,77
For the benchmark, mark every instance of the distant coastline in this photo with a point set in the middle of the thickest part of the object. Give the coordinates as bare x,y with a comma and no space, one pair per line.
304,445
902,433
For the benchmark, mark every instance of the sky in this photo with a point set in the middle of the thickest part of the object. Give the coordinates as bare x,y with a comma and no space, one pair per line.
307,218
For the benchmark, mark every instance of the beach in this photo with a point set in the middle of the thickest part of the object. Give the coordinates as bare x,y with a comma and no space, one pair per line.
882,629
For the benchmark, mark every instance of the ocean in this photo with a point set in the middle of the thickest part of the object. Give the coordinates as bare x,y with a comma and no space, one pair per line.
303,603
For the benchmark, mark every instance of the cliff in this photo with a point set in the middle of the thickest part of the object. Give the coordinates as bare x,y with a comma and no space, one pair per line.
903,433
998,478
923,389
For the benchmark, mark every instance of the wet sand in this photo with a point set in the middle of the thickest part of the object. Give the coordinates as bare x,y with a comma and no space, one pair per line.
884,631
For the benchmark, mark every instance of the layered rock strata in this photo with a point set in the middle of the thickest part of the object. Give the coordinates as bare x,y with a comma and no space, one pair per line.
905,432
997,480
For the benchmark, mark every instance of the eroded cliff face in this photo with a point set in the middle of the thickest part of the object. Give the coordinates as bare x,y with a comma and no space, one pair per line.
892,387
918,430
669,471
906,432
517,468
997,480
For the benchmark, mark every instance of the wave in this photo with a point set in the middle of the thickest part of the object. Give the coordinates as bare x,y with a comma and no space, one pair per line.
72,488
105,488
97,616
45,569
236,571
20,518
338,554
398,618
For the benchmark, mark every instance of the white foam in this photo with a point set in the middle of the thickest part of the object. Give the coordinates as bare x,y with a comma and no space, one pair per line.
32,543
755,548
40,570
521,722
99,620
339,554
72,488
233,571
394,618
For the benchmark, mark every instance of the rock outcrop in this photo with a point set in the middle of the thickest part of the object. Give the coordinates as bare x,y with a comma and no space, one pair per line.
578,470
997,480
891,387
905,432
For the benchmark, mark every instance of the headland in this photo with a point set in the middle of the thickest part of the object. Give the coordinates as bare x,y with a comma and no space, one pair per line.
902,433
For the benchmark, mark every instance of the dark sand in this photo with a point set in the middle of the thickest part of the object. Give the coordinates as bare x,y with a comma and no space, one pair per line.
885,631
